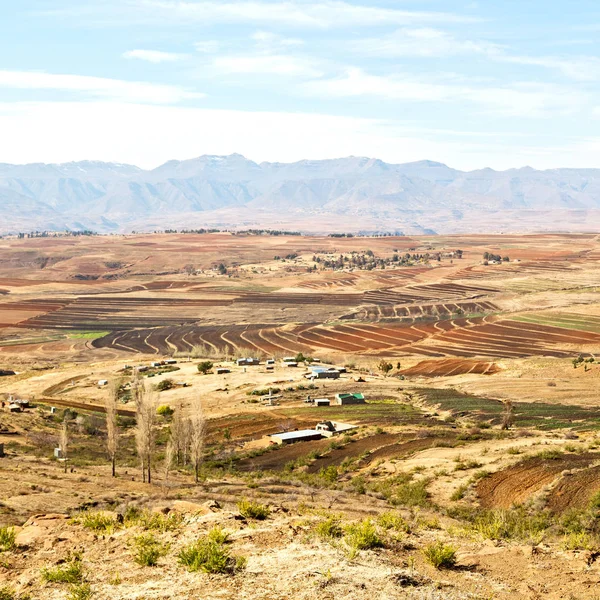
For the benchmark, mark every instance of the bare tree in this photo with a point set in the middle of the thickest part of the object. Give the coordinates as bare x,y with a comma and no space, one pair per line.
145,434
112,427
197,423
64,441
179,427
168,462
508,415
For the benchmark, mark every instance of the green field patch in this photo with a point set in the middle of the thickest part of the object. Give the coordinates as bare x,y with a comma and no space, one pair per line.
562,320
87,335
527,415
388,412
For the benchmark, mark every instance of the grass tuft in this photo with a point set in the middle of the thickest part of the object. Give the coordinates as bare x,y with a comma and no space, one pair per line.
440,555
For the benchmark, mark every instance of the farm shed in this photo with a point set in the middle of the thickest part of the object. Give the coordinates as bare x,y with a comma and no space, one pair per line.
102,382
290,364
247,361
331,428
14,407
322,402
6,373
323,373
222,371
290,437
344,399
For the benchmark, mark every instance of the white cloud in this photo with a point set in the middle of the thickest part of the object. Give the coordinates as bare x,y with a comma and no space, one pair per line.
269,40
267,64
525,100
150,135
325,14
154,56
578,68
422,42
207,46
99,87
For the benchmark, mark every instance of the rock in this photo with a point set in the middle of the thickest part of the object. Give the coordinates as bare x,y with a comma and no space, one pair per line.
190,508
36,530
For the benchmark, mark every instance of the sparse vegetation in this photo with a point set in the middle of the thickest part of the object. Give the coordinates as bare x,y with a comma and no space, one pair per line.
70,572
210,554
253,510
7,539
147,550
440,555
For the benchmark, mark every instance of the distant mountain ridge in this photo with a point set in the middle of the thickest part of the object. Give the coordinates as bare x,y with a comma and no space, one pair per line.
349,194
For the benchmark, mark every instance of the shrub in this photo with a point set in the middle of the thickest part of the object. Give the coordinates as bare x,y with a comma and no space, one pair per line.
7,593
71,572
209,554
329,474
363,536
549,454
390,520
329,528
147,550
440,555
7,539
510,524
459,493
165,384
97,521
579,541
205,366
164,410
82,591
154,521
594,501
464,465
253,510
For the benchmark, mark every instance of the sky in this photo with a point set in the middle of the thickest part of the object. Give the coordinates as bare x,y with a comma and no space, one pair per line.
500,84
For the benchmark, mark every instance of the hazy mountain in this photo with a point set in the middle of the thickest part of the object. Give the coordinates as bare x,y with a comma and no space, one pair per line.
349,194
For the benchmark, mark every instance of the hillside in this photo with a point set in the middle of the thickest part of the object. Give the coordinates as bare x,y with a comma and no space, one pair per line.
313,196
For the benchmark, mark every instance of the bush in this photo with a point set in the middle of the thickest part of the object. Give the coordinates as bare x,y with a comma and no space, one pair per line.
329,474
82,591
7,539
148,550
165,384
7,593
253,510
390,520
164,410
459,493
510,524
329,528
209,554
97,521
154,521
440,555
363,536
205,366
71,572
594,502
579,541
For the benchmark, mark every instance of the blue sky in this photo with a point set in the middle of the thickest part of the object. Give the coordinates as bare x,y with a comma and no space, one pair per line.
487,83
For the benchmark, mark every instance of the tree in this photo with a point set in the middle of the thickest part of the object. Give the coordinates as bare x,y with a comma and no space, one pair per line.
64,440
179,438
165,384
189,269
112,428
385,367
197,431
168,461
508,415
398,365
205,366
145,434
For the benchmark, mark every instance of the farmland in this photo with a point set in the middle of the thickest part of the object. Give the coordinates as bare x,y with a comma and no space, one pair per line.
480,384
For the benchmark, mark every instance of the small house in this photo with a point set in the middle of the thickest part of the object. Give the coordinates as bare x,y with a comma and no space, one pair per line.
291,437
270,361
222,371
15,407
102,382
142,369
287,359
155,364
331,428
290,364
322,402
170,361
243,362
323,373
346,399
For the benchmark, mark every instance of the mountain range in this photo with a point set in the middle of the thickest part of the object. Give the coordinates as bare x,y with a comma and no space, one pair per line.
351,194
